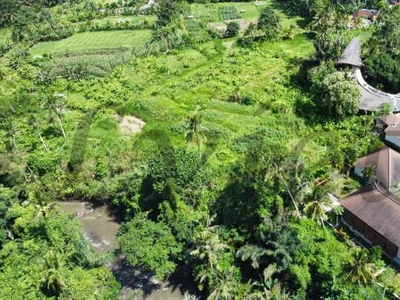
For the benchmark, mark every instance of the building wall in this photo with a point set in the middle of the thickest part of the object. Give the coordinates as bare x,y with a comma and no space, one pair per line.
370,234
392,139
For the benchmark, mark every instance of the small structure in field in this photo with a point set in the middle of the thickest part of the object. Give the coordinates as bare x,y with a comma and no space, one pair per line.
374,213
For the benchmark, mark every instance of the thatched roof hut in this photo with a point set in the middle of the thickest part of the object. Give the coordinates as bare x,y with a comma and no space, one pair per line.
352,54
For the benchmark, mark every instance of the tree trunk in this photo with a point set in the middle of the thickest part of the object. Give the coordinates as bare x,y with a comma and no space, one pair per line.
290,194
61,126
43,143
14,143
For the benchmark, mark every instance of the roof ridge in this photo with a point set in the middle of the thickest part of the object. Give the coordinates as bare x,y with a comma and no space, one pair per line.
386,193
389,167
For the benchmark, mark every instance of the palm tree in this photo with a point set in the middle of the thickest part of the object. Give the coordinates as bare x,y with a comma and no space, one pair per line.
53,279
207,248
338,211
194,131
314,208
35,125
44,209
253,253
361,271
11,131
54,105
225,286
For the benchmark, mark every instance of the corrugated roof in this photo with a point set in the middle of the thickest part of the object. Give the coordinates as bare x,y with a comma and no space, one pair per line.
351,54
378,208
387,165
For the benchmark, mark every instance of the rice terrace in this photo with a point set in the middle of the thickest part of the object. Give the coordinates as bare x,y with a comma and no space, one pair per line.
196,149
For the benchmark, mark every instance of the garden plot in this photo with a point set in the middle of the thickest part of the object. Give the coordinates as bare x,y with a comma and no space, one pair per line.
243,23
95,40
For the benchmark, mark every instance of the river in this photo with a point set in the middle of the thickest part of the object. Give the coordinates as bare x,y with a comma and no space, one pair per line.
100,228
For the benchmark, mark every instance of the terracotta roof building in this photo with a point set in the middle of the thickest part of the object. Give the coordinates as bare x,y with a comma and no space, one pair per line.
375,213
391,124
386,163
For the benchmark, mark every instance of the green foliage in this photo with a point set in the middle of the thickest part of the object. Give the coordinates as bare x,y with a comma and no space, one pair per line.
80,64
232,29
149,245
386,39
50,258
260,146
335,93
267,28
269,24
329,26
383,71
228,12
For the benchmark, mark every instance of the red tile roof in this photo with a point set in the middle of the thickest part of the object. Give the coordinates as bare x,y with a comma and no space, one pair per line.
387,165
378,208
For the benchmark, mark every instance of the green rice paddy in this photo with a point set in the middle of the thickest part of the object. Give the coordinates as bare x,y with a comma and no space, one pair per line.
95,40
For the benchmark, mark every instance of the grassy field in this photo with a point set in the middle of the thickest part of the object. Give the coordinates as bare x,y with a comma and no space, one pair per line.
131,19
5,34
211,11
94,40
248,13
260,76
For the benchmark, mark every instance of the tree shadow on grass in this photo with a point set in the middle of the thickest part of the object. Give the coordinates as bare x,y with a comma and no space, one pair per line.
144,285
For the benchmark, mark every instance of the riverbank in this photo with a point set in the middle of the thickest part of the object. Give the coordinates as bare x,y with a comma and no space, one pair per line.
100,228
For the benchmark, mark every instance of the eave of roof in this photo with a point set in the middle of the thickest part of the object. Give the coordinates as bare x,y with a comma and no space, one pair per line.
378,208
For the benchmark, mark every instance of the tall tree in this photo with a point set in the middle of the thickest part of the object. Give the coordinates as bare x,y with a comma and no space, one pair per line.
329,26
53,275
194,131
54,105
337,95
149,245
11,131
36,127
169,28
361,270
207,249
269,24
314,207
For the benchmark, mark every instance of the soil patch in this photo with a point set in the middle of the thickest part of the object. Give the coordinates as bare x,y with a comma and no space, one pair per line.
130,125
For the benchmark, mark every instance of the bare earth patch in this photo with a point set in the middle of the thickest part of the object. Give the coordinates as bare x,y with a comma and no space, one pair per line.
221,26
130,125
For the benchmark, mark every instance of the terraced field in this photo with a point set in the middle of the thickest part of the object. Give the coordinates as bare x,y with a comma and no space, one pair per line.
95,40
221,85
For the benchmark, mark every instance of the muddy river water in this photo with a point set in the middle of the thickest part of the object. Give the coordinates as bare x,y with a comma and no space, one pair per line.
100,229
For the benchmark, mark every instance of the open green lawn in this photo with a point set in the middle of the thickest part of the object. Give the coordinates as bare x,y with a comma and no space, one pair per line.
95,40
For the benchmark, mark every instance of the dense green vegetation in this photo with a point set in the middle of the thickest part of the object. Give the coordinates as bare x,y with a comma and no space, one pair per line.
223,181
